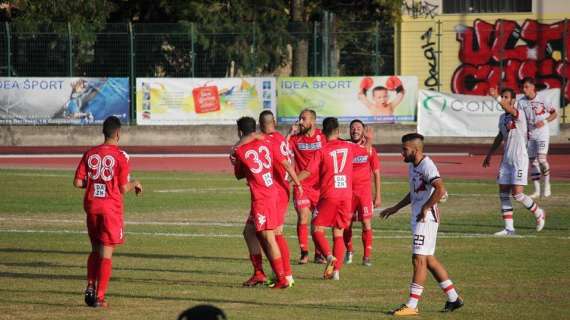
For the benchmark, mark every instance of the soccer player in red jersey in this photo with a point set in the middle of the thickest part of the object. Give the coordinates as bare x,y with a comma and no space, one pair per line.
333,166
365,161
104,174
304,140
255,161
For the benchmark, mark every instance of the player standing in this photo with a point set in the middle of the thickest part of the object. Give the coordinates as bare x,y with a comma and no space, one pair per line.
333,166
426,190
365,161
255,161
514,166
538,115
304,141
104,174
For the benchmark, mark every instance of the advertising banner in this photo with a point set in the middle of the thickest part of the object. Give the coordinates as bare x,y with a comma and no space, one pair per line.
457,115
387,99
181,101
79,101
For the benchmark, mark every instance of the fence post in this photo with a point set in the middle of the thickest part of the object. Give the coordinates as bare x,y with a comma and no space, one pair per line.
325,46
193,54
8,50
253,49
564,62
439,55
69,50
132,82
376,48
315,47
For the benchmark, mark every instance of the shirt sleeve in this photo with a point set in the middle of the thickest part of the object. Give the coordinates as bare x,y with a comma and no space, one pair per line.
123,177
278,157
431,173
81,171
374,160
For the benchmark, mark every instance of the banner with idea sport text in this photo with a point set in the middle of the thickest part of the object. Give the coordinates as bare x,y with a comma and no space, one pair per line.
182,101
382,99
458,115
76,101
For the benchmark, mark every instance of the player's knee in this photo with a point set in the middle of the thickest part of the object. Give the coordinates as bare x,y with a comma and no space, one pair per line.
533,161
519,196
419,261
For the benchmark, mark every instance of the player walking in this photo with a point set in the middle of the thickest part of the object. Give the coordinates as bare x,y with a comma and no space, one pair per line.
426,190
104,174
365,161
514,167
255,161
538,115
305,140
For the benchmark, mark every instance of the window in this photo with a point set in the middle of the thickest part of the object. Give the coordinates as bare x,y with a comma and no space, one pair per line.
482,6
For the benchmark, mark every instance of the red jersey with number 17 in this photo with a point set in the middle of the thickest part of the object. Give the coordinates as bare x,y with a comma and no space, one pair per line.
304,148
105,168
257,158
333,164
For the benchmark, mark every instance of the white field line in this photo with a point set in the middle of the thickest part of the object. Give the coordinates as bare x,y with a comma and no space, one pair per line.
236,235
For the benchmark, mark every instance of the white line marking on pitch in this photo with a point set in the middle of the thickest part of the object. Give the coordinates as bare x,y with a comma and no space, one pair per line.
226,235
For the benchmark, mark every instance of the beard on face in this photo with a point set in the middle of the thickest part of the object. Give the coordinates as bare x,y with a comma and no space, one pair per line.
409,158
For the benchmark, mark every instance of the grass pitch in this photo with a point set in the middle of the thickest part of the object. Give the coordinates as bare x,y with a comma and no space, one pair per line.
184,247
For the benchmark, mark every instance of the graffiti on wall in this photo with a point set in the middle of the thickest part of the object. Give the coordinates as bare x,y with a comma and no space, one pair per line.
432,81
419,9
532,49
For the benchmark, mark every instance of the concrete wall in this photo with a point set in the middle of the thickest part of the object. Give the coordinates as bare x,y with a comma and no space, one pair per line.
14,136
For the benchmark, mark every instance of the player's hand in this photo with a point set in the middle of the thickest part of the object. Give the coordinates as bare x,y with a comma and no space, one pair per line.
138,188
299,189
233,156
539,124
384,214
487,161
294,128
377,202
493,92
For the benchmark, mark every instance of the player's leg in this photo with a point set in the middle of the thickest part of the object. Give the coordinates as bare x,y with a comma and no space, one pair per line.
534,166
367,236
302,207
285,256
92,260
347,237
319,257
531,205
336,261
506,210
105,271
419,276
267,238
255,256
544,165
440,274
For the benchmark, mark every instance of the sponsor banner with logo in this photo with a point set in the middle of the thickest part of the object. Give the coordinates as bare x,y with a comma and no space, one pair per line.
180,101
79,101
386,99
457,115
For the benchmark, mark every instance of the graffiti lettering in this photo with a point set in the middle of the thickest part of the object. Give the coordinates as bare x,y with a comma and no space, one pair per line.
432,81
506,52
420,9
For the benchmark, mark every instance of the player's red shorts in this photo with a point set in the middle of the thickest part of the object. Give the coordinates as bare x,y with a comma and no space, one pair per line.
308,199
105,228
282,205
263,214
362,206
333,213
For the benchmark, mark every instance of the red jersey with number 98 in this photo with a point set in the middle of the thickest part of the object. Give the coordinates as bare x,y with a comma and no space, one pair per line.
105,168
334,165
257,159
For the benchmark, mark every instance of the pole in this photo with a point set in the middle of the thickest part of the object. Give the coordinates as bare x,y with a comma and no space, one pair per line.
439,55
132,82
377,49
325,49
253,50
69,50
315,47
8,50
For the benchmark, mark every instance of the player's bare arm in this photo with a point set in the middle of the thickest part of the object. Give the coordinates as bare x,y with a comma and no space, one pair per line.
304,174
291,171
438,192
390,211
79,183
131,185
550,118
494,147
377,195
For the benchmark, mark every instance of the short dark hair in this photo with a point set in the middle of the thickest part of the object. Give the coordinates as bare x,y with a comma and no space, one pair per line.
246,125
529,80
329,125
510,91
110,126
203,312
379,88
265,116
311,111
356,121
411,137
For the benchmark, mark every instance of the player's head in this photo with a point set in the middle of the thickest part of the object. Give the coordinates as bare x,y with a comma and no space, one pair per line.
529,87
380,95
111,128
203,312
307,119
357,128
266,121
330,127
246,125
508,96
412,146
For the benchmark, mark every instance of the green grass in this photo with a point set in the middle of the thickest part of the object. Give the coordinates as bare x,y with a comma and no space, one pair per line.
166,266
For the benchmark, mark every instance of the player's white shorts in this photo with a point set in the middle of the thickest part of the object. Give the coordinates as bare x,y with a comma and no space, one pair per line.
424,236
515,174
538,146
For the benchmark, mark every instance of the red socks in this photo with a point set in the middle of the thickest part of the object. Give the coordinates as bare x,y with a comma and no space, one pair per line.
277,266
322,243
338,249
105,267
284,249
303,236
367,242
92,267
256,262
347,235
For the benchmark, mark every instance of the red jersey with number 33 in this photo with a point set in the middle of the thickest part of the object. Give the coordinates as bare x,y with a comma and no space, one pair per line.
257,160
105,168
333,163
